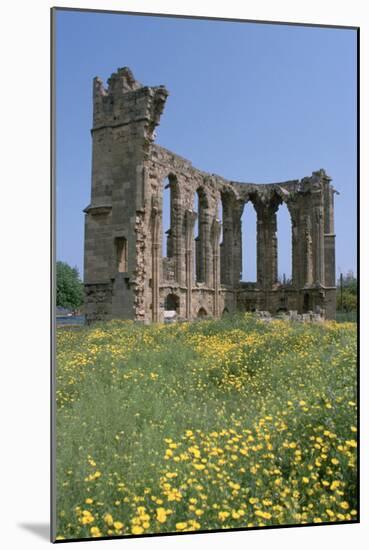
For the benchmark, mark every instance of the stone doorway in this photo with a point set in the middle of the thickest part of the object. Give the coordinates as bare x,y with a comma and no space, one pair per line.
202,313
171,307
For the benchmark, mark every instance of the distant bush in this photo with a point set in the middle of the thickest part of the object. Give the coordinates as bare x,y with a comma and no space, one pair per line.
69,287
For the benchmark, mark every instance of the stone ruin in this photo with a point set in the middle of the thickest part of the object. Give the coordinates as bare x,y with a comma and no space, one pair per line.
310,317
128,274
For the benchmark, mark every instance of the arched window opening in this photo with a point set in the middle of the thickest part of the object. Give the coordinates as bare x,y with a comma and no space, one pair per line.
200,205
172,303
284,239
226,241
248,240
225,312
169,215
166,218
196,237
307,303
220,218
121,254
202,313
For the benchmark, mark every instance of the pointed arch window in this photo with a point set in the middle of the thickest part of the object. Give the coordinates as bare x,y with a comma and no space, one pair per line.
121,252
200,206
284,240
248,240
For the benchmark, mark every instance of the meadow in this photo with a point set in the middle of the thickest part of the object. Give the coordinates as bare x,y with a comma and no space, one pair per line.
208,425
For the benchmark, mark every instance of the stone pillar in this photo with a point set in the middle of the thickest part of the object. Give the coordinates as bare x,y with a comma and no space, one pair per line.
260,245
156,260
227,245
237,243
207,249
203,246
267,261
329,236
215,235
307,252
190,218
296,238
175,246
272,229
318,238
197,256
178,246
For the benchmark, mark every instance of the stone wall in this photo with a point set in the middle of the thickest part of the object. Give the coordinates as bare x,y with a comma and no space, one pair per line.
200,276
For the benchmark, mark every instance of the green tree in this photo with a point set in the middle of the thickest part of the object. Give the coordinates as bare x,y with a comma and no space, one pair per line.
69,287
347,297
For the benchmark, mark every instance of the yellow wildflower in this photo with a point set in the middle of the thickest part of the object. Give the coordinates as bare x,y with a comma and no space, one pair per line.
108,518
264,515
161,515
95,532
223,515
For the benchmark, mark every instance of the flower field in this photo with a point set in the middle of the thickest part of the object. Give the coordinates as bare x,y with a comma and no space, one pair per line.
209,425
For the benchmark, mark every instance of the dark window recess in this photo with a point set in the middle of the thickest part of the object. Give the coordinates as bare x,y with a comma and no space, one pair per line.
121,253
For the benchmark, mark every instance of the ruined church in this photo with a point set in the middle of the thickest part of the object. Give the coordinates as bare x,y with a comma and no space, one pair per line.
132,270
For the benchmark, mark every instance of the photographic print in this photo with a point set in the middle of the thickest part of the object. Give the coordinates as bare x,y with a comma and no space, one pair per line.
205,374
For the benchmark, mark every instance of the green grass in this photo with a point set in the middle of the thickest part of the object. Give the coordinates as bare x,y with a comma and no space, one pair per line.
215,424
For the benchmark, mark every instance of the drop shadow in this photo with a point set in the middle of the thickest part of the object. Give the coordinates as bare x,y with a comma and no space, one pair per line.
42,530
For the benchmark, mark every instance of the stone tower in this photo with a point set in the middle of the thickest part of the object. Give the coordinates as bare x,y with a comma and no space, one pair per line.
124,119
128,272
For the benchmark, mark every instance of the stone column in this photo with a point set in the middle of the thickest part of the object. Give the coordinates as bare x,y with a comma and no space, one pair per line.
215,235
207,249
196,253
178,247
190,218
274,247
227,245
329,236
156,257
307,252
296,238
267,261
328,198
260,245
237,243
203,246
318,238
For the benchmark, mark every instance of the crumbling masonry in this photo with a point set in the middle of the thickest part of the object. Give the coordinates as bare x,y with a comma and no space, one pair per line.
126,275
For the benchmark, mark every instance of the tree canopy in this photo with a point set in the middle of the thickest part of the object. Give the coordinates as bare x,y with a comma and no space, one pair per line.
347,297
69,287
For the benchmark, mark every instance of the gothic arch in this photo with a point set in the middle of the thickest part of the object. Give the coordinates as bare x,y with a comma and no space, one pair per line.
202,313
201,236
248,241
228,200
284,244
170,214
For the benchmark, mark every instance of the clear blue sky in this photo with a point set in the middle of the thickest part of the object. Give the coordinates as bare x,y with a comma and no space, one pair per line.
251,102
